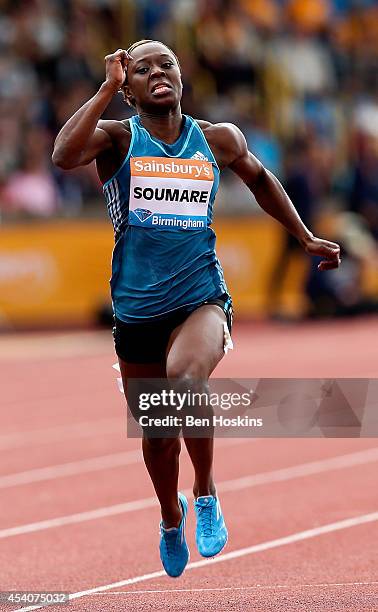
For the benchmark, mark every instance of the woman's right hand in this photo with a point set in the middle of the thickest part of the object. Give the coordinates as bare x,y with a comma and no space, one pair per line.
115,67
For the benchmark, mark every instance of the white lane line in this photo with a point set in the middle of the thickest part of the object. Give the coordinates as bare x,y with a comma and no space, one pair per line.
92,464
85,429
305,469
296,471
73,468
235,554
254,587
80,517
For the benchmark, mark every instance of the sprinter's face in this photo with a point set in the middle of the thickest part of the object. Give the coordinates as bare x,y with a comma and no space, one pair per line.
153,78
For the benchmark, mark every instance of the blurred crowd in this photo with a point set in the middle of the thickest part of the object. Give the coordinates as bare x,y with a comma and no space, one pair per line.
299,77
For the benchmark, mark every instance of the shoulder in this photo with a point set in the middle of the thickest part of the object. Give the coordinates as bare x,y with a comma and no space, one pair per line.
119,133
220,130
115,128
109,161
226,139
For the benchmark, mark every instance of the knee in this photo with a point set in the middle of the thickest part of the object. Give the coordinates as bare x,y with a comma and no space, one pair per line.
191,371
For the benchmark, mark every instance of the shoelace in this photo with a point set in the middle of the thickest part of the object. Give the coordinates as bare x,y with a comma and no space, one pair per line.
170,541
206,520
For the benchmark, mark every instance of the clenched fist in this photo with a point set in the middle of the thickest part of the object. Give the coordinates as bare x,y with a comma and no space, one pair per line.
116,67
324,248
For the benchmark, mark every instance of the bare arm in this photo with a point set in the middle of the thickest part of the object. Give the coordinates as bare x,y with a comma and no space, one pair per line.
83,137
270,194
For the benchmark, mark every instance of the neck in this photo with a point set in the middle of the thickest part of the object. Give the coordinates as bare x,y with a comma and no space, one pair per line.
166,127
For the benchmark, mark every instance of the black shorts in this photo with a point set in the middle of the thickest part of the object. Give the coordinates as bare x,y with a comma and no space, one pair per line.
147,342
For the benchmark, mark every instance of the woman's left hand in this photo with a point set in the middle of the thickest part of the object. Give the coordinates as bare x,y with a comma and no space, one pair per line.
324,248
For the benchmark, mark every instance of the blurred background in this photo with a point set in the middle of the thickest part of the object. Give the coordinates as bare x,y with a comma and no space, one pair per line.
299,77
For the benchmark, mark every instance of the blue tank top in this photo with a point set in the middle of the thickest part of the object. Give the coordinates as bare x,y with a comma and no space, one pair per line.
160,202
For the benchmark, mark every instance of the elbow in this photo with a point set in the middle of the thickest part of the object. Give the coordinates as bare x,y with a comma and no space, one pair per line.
59,160
62,161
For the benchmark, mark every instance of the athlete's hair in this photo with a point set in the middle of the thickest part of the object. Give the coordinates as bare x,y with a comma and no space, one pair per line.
138,43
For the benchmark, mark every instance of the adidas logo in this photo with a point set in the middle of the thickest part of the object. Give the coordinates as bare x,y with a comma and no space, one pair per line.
199,155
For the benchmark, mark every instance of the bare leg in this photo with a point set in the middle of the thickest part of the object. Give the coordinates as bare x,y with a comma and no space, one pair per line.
201,454
195,348
161,455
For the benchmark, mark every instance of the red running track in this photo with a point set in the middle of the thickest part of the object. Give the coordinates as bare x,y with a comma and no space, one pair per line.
78,512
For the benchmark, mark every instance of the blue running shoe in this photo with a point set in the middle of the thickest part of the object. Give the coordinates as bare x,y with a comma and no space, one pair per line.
211,532
174,551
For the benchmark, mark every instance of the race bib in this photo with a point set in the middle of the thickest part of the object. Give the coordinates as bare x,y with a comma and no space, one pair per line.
170,193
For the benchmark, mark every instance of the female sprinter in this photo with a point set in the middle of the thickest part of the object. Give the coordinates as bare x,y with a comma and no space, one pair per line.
160,173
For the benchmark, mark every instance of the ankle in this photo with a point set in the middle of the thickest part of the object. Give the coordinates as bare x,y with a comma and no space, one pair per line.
204,490
171,518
